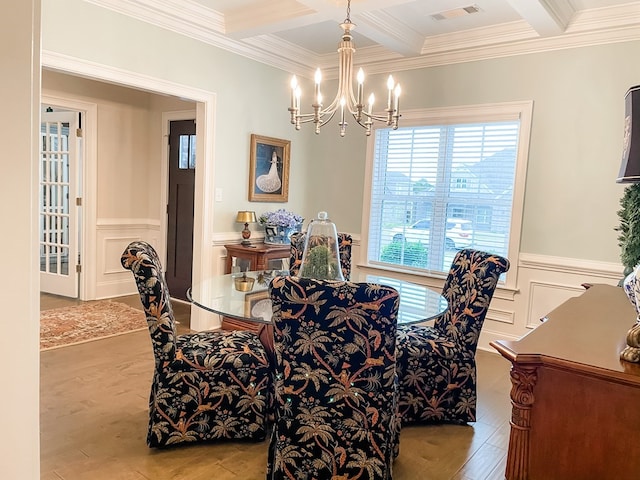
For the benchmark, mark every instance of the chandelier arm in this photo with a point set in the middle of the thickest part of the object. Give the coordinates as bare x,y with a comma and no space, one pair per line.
305,117
309,117
324,121
375,117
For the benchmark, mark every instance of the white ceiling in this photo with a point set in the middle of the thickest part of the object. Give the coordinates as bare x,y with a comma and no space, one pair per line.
299,35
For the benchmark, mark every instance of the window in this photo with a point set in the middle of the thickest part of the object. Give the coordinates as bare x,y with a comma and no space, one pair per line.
447,179
187,153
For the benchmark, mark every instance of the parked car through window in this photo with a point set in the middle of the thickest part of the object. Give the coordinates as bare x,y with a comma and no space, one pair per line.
459,233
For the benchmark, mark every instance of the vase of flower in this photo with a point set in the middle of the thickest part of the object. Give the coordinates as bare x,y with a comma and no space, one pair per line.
279,225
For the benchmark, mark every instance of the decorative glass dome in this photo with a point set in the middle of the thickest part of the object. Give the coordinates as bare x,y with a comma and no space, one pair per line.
321,258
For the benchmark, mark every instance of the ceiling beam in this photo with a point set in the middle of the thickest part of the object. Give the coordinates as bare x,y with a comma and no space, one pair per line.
546,17
389,32
268,17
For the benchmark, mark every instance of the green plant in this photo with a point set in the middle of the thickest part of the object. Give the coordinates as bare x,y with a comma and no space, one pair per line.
412,254
320,263
629,228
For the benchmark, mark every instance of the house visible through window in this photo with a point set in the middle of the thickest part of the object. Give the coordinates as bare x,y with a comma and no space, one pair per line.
446,183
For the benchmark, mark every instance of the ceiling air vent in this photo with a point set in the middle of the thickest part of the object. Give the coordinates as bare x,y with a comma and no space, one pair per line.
456,12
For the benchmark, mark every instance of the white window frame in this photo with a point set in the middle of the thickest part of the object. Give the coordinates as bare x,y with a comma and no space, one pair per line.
495,112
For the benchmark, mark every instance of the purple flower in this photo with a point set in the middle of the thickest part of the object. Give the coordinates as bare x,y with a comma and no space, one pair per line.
281,218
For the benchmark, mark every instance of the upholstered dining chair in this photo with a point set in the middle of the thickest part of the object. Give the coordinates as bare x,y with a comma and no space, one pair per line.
297,249
335,381
207,385
436,365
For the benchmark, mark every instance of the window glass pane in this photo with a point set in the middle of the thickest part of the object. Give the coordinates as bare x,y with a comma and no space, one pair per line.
439,188
183,155
64,261
192,151
187,154
53,259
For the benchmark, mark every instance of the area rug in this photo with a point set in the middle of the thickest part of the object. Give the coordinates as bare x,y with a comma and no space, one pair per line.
89,321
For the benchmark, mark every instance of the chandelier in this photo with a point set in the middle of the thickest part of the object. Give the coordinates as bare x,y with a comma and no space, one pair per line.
345,100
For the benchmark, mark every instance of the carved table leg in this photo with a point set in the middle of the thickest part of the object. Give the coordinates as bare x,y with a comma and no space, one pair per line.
631,352
522,382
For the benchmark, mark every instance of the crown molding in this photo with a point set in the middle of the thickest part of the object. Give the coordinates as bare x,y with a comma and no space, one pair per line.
590,27
162,13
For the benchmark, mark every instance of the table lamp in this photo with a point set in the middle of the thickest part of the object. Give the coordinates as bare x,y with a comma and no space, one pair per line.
246,217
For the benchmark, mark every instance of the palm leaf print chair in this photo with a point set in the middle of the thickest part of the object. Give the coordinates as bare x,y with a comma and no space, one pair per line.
207,385
436,365
335,383
297,249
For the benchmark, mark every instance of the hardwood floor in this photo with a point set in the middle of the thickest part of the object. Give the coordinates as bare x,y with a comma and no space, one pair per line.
93,421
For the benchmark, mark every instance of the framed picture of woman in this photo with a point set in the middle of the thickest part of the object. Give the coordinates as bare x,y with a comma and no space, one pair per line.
269,169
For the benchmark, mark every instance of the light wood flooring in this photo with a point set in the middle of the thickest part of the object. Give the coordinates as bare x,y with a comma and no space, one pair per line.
93,422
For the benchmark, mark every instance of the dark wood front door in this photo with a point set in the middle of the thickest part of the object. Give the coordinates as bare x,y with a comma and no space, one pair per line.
182,168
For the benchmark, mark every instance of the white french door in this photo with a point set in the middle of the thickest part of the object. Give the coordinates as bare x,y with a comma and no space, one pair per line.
58,216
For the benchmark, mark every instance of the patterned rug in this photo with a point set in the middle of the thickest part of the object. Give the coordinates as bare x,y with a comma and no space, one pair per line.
90,321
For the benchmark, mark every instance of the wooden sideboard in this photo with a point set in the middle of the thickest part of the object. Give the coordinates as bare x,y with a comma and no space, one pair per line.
575,404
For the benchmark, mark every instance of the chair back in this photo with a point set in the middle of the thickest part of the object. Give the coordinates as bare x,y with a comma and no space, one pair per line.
142,259
297,249
336,383
469,287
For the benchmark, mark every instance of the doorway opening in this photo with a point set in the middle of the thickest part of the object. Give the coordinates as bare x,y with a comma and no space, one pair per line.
180,206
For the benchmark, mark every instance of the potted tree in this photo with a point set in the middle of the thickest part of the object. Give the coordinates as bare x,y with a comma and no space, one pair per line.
629,228
321,263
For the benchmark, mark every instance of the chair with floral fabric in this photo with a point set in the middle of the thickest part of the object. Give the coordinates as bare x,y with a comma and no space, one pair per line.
436,365
335,380
207,385
297,249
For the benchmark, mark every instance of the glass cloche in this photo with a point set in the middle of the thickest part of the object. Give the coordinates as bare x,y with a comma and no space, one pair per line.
321,257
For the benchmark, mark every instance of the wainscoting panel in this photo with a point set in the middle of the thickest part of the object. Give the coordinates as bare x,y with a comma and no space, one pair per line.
544,282
112,238
544,297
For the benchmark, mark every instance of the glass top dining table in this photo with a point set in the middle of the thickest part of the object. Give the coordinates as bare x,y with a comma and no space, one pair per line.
237,296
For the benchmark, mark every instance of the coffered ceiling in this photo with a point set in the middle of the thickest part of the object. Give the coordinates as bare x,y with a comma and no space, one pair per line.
300,35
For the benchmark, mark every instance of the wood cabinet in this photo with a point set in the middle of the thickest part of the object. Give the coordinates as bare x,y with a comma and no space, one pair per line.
257,254
575,404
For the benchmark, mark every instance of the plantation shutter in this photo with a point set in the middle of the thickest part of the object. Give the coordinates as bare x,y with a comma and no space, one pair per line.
439,188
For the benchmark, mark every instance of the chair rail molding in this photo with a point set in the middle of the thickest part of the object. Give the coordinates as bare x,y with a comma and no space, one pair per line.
571,266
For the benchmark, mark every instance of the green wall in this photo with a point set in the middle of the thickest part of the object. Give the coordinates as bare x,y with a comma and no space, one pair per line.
571,196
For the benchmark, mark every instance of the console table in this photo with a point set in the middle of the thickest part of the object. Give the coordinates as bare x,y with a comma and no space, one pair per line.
575,404
257,254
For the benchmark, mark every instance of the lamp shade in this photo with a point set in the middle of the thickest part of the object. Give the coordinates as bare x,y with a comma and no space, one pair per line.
246,216
630,167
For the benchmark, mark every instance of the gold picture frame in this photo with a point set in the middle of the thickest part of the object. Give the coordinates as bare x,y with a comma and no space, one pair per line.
257,305
269,169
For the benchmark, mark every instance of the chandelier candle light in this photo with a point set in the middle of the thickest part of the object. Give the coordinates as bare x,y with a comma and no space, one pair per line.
345,100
